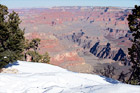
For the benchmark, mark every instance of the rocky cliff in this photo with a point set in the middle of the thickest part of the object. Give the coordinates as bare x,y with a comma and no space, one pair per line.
105,51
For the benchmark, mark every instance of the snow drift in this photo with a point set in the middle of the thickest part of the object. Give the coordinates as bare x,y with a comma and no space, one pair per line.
45,78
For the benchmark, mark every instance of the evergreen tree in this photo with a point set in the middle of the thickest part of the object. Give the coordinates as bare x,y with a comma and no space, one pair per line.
134,51
32,45
26,49
35,43
11,37
46,58
35,56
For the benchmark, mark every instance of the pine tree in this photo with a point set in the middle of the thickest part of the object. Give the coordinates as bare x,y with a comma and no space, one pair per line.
26,49
35,43
46,58
31,45
134,51
11,37
35,56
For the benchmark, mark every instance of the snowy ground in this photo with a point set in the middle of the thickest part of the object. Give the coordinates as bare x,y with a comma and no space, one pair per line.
45,78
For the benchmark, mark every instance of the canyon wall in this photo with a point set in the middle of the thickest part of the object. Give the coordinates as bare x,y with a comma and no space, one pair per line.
68,32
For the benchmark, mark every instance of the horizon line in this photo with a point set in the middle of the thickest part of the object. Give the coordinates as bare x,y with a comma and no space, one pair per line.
70,6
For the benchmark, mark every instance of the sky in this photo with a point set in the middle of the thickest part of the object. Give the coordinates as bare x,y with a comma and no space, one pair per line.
51,3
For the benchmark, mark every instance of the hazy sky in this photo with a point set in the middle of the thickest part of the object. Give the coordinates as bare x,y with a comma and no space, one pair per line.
50,3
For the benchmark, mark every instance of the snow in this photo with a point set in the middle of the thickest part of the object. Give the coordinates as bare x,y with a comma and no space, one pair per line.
46,78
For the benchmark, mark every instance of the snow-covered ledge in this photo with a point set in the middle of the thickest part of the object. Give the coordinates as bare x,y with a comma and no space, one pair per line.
46,78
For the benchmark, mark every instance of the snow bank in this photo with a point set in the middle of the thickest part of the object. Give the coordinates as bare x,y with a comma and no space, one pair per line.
45,78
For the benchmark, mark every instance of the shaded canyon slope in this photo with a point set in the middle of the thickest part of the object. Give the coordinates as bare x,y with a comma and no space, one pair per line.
77,37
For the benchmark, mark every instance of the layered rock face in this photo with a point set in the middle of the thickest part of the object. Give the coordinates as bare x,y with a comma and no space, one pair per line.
67,32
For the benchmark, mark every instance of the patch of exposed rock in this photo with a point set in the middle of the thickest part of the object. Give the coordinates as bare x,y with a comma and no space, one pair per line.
9,70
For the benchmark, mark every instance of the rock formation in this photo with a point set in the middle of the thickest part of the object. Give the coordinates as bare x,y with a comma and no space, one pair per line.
102,51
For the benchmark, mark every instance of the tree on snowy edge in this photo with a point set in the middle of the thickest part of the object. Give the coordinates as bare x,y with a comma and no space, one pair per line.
11,37
12,40
134,51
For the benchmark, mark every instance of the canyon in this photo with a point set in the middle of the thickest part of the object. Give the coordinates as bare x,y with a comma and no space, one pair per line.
79,38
